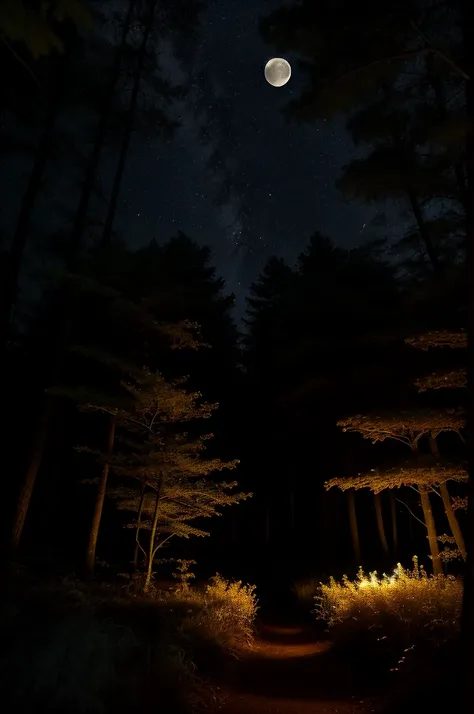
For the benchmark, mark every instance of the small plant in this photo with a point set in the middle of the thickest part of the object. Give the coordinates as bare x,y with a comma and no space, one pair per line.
184,575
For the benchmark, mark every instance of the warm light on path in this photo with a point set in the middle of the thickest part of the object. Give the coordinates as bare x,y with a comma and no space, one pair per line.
289,672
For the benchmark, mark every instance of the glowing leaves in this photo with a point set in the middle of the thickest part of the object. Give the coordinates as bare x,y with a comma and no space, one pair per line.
406,427
438,338
455,379
408,475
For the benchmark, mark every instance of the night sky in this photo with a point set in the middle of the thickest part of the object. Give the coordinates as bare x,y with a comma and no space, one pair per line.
281,174
270,187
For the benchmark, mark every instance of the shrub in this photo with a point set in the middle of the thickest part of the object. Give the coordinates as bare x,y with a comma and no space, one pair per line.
222,613
391,615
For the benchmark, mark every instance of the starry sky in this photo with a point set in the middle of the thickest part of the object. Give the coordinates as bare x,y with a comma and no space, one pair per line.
271,183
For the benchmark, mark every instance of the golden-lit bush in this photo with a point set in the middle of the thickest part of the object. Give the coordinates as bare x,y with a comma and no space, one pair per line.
222,611
406,611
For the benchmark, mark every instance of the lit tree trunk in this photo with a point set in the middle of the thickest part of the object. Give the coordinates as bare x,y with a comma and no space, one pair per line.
137,529
99,503
353,525
448,509
380,524
452,519
431,528
154,526
112,209
393,513
65,322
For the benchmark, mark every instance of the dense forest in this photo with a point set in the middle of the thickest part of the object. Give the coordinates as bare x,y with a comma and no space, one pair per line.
330,420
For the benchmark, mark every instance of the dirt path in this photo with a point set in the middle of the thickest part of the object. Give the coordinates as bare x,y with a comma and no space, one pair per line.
291,671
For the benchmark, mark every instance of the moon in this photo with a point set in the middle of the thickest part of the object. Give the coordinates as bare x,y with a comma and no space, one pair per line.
277,71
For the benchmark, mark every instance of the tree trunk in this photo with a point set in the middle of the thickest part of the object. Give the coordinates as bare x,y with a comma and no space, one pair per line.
380,524
99,503
448,509
26,492
154,526
452,519
65,321
432,254
80,219
437,84
431,528
137,529
15,254
467,616
393,513
112,209
353,525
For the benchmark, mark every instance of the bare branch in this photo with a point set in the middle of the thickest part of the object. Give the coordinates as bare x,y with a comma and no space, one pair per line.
411,512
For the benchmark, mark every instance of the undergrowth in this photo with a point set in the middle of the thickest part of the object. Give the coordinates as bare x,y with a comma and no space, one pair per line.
68,646
388,618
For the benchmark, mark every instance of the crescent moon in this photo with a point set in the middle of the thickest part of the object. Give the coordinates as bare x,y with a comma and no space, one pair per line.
277,71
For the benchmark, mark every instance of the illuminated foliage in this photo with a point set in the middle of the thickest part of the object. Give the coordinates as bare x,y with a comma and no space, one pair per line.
438,338
455,379
161,469
224,609
396,477
406,427
395,613
459,503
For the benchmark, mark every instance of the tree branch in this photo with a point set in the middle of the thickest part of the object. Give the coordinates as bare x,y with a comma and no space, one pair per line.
411,512
20,60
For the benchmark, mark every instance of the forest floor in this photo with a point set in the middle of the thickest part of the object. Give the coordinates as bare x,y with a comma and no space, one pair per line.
292,670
